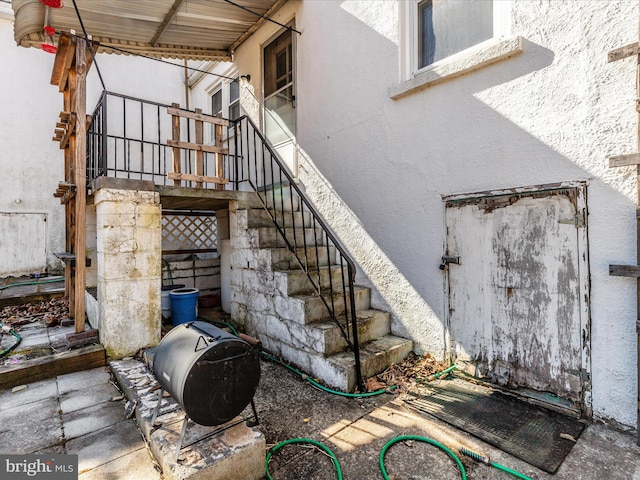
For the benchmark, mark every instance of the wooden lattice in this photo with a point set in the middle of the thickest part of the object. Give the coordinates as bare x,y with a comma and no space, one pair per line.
189,233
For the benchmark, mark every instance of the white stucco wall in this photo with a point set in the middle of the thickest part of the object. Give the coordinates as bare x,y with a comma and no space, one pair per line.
32,164
551,113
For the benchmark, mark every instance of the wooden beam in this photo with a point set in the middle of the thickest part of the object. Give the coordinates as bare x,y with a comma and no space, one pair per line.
624,160
198,147
63,61
80,163
624,52
197,116
165,23
175,151
199,153
196,178
624,271
51,366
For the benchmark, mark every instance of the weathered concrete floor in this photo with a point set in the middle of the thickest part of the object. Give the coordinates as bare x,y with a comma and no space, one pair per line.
75,413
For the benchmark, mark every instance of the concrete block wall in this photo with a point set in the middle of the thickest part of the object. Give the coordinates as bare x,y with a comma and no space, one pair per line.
129,233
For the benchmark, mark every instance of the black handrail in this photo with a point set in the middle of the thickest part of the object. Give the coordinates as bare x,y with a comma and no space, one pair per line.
262,168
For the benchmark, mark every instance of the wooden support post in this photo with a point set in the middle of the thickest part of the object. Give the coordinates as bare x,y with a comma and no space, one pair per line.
80,163
218,157
175,133
199,152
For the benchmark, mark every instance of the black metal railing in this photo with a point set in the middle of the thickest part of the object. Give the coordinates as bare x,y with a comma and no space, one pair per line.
128,137
317,251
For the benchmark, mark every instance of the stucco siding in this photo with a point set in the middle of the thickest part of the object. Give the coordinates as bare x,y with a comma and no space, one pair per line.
379,167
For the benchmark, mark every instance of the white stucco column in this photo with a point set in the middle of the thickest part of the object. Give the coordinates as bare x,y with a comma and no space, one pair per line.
129,256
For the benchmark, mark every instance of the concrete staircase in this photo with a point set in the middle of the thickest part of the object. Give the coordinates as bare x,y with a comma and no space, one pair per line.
275,300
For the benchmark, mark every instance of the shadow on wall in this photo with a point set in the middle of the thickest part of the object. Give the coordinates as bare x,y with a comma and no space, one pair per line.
380,181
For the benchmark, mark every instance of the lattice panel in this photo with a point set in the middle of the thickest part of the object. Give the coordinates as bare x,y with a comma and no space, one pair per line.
189,232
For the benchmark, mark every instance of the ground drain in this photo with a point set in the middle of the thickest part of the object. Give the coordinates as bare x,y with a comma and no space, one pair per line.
539,436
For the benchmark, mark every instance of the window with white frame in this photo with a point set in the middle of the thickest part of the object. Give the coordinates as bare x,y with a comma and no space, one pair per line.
446,27
441,39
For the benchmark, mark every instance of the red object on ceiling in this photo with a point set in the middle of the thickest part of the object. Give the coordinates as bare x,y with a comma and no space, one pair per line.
47,47
49,30
53,3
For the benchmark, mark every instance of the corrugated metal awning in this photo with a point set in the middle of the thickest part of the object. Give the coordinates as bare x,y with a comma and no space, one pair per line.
190,29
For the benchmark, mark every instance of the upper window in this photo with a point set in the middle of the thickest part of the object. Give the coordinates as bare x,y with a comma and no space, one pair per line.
216,104
234,99
446,27
442,39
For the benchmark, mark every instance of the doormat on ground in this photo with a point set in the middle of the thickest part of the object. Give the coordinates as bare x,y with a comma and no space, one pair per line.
540,437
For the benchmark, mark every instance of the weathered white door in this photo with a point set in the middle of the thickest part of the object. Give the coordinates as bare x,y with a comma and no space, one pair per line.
23,243
518,309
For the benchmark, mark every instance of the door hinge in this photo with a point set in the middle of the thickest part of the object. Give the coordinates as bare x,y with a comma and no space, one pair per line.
579,220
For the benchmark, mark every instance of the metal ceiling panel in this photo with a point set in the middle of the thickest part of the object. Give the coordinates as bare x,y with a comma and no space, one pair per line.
191,29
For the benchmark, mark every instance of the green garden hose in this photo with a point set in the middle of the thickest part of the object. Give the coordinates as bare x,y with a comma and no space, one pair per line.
481,458
306,441
39,282
16,336
322,387
435,443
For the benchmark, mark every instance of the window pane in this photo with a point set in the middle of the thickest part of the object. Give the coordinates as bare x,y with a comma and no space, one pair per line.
278,63
216,103
234,90
447,27
279,116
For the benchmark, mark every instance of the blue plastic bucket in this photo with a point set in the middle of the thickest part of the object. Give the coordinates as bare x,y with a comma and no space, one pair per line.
184,305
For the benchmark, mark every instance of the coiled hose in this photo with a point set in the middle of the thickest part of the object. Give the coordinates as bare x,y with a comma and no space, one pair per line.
401,438
306,441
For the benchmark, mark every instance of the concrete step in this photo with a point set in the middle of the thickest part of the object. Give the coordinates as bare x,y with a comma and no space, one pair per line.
326,338
338,371
375,357
283,259
282,196
298,282
269,237
261,218
314,308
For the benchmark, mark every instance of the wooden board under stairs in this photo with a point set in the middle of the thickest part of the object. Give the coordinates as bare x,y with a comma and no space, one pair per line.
51,366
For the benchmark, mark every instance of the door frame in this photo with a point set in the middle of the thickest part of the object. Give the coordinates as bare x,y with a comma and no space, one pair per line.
580,187
292,142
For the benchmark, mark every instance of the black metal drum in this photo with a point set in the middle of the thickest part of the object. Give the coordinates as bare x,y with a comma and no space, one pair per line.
212,374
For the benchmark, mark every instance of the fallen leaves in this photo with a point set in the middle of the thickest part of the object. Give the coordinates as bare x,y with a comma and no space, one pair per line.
51,312
406,374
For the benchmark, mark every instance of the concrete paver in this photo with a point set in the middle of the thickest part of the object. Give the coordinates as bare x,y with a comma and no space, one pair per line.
105,445
30,427
91,419
73,400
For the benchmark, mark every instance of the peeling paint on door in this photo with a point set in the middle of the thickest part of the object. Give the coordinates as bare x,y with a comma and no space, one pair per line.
517,301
